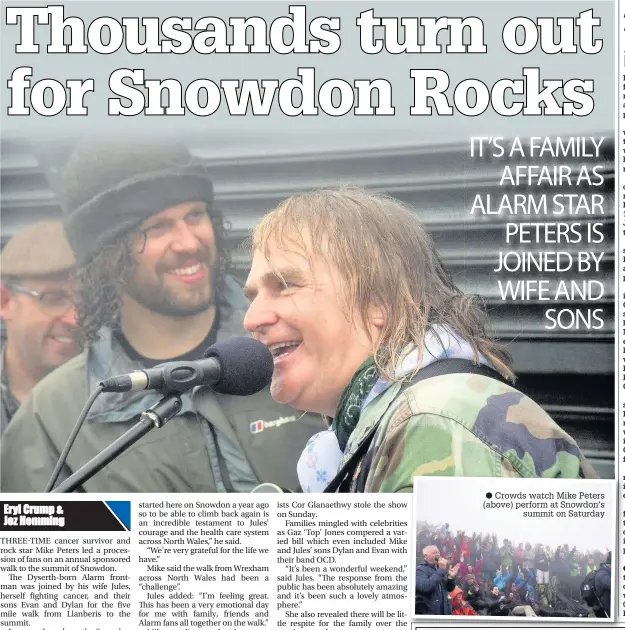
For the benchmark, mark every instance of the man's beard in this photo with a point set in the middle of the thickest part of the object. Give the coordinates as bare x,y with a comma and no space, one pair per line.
163,300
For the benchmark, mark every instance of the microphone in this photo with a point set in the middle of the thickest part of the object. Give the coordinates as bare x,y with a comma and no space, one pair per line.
240,366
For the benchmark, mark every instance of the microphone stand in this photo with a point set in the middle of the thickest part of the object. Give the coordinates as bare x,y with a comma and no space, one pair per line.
155,417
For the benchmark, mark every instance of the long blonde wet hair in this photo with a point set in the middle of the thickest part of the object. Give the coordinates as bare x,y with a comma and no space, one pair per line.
386,259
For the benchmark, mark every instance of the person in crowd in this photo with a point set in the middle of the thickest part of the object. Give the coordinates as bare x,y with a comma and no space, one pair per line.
590,565
603,588
474,594
465,547
349,340
496,603
459,606
542,573
502,577
559,574
448,546
424,538
517,602
524,582
575,572
155,287
491,562
469,569
434,580
37,296
598,557
528,556
507,553
518,555
475,545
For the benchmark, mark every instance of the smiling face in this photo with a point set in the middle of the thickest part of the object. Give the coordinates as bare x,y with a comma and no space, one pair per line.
41,331
175,259
430,554
298,312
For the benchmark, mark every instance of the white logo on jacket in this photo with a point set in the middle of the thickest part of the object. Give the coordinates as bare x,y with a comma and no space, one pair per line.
261,425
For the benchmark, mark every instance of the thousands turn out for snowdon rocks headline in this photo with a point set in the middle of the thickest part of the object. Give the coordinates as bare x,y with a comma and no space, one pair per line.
528,94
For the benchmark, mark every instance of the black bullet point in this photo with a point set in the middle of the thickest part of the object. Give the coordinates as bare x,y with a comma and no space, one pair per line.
489,495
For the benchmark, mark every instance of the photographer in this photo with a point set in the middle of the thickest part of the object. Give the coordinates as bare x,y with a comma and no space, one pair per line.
433,582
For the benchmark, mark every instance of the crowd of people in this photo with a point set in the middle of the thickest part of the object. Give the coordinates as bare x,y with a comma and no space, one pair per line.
478,574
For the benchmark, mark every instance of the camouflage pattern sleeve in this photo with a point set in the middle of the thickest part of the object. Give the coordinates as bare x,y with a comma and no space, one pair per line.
467,425
430,444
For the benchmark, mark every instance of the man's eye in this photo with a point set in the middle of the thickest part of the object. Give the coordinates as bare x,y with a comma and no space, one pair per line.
157,228
54,299
196,216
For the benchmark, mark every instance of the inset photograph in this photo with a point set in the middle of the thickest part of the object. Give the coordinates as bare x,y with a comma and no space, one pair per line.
517,548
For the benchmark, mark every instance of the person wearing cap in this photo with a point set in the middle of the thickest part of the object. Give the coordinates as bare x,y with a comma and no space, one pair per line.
37,295
155,287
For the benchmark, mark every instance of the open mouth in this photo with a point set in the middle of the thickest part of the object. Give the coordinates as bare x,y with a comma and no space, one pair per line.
66,341
189,273
189,270
283,349
64,344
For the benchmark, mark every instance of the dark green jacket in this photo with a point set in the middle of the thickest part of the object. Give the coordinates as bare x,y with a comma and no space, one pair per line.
218,443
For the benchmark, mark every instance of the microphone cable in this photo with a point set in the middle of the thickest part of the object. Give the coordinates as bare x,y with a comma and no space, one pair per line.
72,438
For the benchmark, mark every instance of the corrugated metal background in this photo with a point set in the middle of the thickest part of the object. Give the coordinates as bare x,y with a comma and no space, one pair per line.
571,373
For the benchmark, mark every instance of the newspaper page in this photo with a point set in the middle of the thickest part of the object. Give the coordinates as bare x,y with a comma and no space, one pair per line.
308,314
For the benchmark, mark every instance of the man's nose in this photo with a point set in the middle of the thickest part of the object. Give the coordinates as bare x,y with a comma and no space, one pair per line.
184,239
70,317
260,315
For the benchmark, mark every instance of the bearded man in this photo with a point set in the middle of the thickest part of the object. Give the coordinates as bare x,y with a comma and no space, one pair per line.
153,266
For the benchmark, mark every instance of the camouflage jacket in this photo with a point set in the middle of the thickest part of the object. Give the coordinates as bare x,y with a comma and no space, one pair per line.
462,425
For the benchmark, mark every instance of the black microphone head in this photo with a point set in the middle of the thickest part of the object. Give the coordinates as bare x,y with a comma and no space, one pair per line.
246,366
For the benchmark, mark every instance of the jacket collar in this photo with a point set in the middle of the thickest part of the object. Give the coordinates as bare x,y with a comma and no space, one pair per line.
369,420
106,358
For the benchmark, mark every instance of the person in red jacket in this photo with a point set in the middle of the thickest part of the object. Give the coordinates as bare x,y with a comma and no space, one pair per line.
465,548
448,547
459,606
468,569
